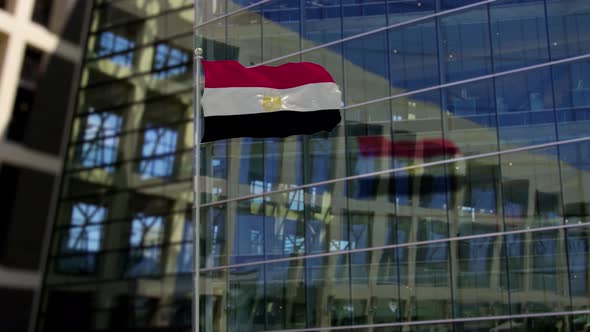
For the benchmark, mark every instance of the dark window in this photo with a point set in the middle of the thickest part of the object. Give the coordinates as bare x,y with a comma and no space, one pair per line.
31,67
15,308
8,186
25,97
21,113
25,196
42,11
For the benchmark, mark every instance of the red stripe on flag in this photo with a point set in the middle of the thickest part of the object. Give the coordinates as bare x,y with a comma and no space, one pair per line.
379,146
231,74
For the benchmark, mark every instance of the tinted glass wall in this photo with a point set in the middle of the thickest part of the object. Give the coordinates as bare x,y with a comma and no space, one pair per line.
453,196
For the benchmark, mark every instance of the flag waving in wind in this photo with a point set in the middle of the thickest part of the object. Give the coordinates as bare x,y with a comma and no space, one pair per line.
292,99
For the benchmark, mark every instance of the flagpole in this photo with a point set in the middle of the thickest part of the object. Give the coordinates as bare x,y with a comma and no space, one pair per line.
196,193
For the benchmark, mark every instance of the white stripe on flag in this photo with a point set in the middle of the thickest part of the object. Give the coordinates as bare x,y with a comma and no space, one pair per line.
252,100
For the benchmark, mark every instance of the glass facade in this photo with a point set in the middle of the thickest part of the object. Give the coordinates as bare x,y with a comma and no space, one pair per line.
453,196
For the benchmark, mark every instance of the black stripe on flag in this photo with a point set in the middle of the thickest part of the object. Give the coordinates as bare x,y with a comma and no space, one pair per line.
272,124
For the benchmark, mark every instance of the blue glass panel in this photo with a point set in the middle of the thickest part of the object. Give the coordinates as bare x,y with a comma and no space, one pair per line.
572,98
569,23
365,124
525,115
362,16
366,74
403,10
322,22
414,57
519,34
470,118
465,45
450,4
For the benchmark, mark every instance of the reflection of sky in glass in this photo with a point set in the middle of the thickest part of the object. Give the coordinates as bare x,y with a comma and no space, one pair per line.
98,150
257,187
111,43
166,57
294,243
86,230
147,234
158,141
296,201
146,231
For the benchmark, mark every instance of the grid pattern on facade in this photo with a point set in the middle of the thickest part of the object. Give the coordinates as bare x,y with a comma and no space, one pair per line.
480,107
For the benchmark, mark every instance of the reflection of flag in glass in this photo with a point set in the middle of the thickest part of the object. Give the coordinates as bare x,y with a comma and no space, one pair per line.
291,99
406,153
379,146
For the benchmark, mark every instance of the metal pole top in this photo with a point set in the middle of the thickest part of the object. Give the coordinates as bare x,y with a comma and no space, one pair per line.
198,52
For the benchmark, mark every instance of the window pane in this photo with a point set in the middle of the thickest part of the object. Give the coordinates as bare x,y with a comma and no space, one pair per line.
414,57
519,34
322,22
572,98
526,116
470,117
244,33
280,28
465,46
531,189
479,271
362,16
365,71
568,21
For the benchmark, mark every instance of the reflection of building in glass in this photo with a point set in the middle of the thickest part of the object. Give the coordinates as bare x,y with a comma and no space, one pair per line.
466,235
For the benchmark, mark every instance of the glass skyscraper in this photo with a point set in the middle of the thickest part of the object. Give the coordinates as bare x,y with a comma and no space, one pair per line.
453,196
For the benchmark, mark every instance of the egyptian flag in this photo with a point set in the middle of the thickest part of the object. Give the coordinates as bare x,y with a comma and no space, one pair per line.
292,99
